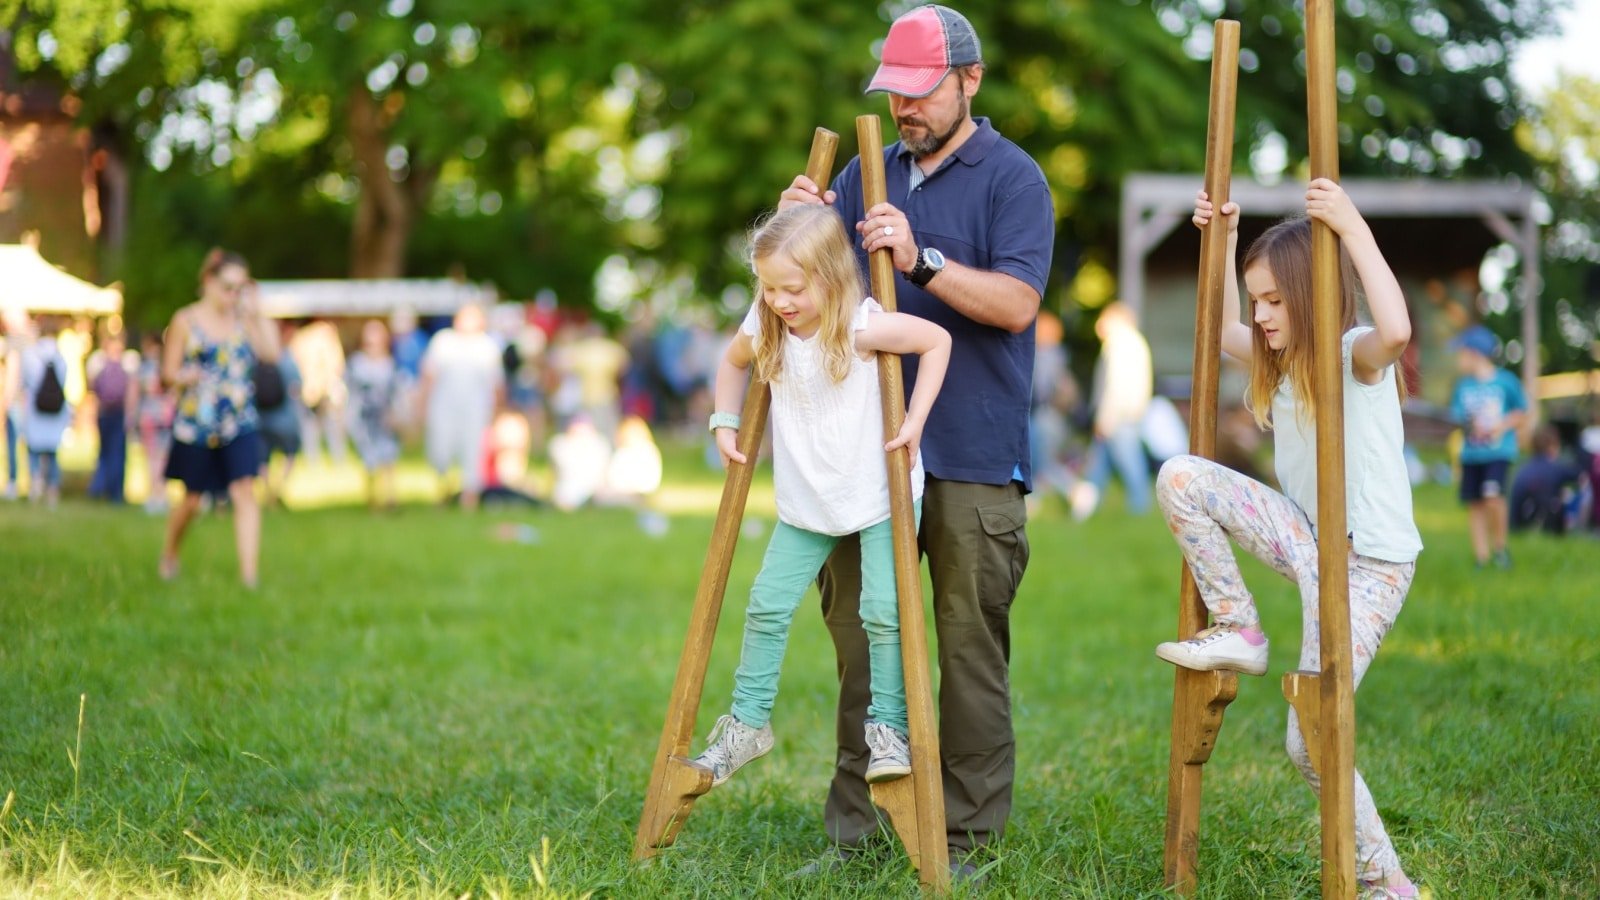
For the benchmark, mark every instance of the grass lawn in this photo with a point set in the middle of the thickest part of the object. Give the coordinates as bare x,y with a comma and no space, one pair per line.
413,706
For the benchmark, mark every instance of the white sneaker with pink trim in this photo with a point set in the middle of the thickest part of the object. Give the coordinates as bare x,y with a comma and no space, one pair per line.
1220,647
1375,890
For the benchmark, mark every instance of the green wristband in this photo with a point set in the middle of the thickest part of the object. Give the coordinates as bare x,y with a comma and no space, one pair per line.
724,420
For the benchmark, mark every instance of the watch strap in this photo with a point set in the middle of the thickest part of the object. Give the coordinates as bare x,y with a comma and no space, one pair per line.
921,273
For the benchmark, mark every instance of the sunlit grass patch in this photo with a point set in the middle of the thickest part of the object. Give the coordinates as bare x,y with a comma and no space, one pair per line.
411,704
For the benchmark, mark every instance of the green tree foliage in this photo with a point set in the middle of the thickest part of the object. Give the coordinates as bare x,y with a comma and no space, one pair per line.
534,143
478,124
744,84
1093,89
179,39
1424,87
1563,136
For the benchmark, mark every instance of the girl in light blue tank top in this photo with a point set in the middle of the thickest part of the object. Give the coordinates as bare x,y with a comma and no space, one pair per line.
1206,504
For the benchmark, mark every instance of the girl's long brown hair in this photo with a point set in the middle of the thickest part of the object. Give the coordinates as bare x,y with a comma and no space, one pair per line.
1285,249
814,238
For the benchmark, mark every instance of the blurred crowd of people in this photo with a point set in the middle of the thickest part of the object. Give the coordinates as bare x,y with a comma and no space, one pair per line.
484,396
1123,426
1127,428
227,406
493,391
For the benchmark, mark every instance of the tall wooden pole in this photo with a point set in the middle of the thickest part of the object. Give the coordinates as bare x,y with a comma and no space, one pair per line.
1199,698
674,784
1337,695
915,804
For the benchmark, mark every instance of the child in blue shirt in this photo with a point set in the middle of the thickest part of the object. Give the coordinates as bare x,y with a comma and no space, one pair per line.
1489,405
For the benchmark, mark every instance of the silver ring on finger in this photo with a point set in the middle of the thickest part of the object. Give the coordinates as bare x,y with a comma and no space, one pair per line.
888,231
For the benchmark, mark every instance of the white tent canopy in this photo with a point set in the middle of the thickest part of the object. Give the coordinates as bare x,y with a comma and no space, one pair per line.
358,297
30,283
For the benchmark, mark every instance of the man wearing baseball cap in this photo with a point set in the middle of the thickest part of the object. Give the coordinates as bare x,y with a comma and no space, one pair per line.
970,225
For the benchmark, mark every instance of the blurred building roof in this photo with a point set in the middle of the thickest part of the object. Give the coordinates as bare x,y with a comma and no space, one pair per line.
370,297
1429,229
1438,224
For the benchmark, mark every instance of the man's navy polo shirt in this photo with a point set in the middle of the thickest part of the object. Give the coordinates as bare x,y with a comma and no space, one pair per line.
987,206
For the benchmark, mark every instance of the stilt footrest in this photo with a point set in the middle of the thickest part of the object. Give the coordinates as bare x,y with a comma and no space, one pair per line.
1303,690
683,784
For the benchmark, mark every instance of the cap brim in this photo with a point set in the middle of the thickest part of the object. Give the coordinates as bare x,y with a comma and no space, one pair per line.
907,81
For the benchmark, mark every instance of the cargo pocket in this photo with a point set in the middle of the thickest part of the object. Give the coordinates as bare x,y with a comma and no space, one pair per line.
1006,555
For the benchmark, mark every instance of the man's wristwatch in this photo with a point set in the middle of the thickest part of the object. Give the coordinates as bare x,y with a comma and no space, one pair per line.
930,262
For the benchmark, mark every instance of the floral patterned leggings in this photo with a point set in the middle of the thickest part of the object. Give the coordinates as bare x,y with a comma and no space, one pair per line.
1205,504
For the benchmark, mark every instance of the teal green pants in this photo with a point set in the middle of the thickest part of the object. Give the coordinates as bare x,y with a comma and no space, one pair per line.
794,557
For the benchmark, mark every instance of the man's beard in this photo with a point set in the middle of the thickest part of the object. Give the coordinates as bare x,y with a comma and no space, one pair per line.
932,143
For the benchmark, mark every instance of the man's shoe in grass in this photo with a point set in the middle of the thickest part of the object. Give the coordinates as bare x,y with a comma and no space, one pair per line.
1220,647
732,744
827,862
966,875
891,753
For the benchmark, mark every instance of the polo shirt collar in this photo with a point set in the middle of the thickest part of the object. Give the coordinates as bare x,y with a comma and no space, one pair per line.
973,150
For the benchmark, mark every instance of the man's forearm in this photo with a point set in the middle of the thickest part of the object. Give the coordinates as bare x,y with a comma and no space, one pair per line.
990,298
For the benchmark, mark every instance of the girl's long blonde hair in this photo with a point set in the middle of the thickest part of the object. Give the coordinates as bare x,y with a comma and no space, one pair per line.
1285,249
814,238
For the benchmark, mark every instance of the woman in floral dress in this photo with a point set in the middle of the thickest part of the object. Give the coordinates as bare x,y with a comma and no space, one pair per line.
210,348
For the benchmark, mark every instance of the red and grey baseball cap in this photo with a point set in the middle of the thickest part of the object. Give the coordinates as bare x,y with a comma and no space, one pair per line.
922,47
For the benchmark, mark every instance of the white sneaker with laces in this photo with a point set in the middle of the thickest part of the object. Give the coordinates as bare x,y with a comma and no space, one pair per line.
1218,647
731,744
891,753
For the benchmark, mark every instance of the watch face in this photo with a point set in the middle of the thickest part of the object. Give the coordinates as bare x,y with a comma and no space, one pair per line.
935,258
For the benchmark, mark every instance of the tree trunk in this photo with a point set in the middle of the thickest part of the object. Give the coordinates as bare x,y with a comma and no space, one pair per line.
385,209
112,168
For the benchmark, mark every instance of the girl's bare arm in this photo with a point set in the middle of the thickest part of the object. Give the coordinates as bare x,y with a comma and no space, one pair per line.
733,376
1236,339
901,333
1380,348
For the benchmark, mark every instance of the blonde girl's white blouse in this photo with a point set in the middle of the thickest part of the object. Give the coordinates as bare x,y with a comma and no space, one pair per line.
829,470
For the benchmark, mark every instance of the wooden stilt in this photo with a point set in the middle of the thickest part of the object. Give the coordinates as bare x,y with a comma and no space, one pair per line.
1337,738
915,804
674,784
1303,690
1199,698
